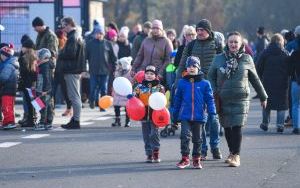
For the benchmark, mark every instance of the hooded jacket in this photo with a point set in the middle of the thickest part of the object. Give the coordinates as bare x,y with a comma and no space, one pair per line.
9,73
192,96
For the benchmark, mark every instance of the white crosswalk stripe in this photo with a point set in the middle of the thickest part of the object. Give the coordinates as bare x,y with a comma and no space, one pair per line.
35,136
9,144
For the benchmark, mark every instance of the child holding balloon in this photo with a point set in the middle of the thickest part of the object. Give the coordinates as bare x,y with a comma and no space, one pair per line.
149,85
193,95
123,70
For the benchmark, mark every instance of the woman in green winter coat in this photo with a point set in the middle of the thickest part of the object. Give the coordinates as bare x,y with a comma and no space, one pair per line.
230,75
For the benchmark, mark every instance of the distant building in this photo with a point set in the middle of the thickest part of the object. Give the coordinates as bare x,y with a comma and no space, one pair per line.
16,15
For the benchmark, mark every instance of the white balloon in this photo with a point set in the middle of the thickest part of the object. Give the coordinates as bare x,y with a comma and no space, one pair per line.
122,86
157,101
2,28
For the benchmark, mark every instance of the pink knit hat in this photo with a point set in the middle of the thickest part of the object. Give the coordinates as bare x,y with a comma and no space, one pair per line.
111,33
158,24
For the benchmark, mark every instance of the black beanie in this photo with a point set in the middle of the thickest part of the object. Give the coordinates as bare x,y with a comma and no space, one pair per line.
205,24
261,30
28,43
24,38
37,22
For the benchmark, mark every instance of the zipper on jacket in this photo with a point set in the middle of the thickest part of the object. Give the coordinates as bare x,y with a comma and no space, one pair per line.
193,88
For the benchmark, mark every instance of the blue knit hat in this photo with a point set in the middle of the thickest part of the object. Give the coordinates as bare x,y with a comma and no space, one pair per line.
193,61
43,54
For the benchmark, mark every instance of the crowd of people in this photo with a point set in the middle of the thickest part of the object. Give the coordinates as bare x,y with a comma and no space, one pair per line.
207,74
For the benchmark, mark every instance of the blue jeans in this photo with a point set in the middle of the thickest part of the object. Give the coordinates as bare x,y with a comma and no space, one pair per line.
190,130
295,91
214,127
150,136
98,83
280,117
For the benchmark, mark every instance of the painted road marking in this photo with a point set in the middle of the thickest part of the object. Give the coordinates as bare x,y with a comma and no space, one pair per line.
103,118
8,144
34,136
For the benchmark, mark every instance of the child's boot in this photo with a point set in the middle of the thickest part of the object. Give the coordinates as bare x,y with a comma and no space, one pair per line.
127,122
185,162
117,122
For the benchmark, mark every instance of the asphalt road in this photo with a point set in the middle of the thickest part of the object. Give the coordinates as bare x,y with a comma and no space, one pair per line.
102,156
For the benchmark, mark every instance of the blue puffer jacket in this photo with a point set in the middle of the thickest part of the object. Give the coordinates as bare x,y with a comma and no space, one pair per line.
193,96
8,76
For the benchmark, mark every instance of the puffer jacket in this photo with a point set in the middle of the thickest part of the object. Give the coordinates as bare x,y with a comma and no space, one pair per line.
192,96
206,50
143,92
154,51
234,92
9,73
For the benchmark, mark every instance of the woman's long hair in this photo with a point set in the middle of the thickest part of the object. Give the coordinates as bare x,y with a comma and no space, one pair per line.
30,59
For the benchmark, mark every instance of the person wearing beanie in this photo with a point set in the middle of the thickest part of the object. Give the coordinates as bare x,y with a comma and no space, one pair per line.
123,70
27,79
8,85
205,47
149,85
261,42
154,50
195,94
139,38
204,24
102,63
44,87
123,43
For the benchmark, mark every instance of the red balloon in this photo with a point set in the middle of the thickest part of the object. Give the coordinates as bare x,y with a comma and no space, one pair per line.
161,118
135,109
139,76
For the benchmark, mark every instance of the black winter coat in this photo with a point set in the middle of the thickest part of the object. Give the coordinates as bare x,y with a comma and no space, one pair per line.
27,77
124,50
272,68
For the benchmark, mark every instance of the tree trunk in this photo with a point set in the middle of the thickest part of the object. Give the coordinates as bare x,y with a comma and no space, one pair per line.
144,10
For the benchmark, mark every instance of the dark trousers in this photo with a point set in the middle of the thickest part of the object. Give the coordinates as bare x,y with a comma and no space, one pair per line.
190,130
233,137
118,112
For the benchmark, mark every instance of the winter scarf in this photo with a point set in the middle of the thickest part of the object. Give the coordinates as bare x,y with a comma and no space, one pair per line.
231,64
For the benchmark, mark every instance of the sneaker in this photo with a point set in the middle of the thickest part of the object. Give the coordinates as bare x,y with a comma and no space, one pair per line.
9,126
49,126
296,131
235,161
102,110
196,163
264,127
280,129
92,105
216,153
229,158
149,159
40,127
203,156
156,158
73,124
185,162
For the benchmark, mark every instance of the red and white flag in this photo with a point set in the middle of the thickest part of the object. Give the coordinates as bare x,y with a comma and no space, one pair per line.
31,93
38,104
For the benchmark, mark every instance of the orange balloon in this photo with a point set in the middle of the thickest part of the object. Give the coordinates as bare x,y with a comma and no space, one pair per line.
105,102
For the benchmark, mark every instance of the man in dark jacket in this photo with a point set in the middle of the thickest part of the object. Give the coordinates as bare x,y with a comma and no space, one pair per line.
205,47
101,60
72,57
261,42
46,39
137,42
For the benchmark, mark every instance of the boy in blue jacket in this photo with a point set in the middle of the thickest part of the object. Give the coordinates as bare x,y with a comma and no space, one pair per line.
193,97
